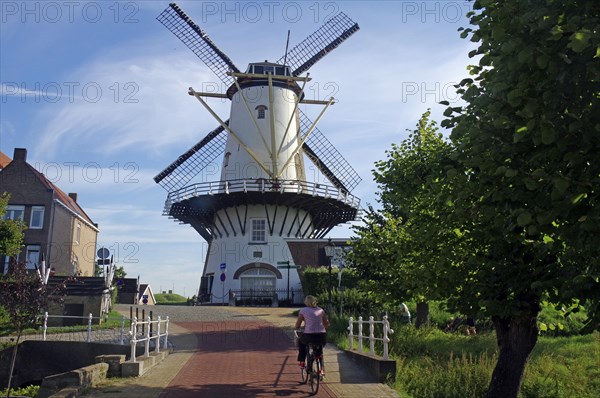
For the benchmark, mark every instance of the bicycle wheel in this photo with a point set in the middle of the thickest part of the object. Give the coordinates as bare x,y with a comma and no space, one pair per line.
315,376
304,371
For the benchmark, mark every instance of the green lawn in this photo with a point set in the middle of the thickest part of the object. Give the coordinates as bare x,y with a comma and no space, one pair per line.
435,364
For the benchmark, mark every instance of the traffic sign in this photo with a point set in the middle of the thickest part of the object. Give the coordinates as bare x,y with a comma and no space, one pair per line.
103,253
284,262
223,277
223,266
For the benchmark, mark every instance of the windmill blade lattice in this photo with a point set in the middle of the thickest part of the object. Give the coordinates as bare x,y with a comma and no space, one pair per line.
328,159
186,30
190,164
333,33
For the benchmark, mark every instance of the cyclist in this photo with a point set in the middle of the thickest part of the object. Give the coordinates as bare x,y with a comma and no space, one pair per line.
315,328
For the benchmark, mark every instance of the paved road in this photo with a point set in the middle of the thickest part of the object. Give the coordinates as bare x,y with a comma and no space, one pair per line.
237,352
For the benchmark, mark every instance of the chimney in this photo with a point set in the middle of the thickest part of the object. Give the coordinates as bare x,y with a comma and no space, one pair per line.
73,196
20,155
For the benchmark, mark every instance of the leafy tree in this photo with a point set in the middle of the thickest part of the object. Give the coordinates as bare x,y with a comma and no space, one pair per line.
517,212
120,273
527,149
23,296
11,231
406,238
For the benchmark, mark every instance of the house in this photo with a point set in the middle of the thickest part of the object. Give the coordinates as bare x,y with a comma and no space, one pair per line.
146,295
58,229
83,296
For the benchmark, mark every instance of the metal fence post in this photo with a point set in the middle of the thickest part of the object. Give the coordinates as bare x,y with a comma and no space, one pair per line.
371,335
350,334
89,329
122,335
360,334
147,342
157,348
45,327
133,338
166,334
386,339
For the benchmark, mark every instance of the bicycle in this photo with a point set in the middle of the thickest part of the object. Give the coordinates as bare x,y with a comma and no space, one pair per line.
312,371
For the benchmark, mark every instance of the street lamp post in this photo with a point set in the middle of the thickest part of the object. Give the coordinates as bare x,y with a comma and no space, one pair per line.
329,253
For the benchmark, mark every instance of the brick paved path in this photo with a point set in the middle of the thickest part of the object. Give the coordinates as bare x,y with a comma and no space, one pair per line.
238,359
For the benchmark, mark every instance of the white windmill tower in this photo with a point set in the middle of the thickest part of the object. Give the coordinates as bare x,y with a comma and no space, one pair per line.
263,196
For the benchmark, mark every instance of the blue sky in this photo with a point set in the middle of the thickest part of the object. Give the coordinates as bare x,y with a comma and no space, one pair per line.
97,93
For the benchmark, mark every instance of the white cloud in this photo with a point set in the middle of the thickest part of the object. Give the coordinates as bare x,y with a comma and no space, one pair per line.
138,103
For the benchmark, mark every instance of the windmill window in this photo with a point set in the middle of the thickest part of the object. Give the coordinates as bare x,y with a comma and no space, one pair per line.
259,230
226,159
260,111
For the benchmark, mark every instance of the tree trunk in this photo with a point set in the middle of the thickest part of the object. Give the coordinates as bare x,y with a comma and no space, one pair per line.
422,314
13,360
516,338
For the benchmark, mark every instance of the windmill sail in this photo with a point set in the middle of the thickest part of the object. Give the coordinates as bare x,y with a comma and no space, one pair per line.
328,159
186,30
191,163
317,45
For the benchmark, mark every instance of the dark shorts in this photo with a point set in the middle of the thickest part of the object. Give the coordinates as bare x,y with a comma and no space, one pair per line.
471,322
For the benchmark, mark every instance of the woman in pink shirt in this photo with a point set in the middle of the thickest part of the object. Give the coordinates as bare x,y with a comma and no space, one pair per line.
315,328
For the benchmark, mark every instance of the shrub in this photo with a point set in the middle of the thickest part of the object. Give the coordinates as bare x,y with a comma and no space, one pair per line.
316,280
29,391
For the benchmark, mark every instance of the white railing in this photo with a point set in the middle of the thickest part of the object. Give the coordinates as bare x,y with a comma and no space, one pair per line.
148,334
90,334
360,336
260,185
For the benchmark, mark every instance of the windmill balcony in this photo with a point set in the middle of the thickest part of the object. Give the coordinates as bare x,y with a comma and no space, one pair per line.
260,185
197,204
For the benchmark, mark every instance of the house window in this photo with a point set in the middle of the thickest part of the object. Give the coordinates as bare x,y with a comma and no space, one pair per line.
260,111
259,230
32,256
78,234
14,212
37,217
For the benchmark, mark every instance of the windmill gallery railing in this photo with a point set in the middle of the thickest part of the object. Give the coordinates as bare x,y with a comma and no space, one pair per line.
260,185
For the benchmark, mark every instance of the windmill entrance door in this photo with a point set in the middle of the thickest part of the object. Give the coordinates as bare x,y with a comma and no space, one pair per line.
257,287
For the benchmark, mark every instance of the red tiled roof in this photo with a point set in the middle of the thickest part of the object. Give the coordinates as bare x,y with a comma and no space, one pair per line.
4,160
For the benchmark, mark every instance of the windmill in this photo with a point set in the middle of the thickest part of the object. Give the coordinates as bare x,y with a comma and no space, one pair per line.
262,197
